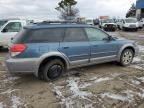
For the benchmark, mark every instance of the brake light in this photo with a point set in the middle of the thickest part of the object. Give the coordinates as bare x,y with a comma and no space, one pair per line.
17,49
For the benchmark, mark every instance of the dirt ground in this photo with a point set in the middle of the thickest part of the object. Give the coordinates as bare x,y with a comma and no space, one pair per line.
99,86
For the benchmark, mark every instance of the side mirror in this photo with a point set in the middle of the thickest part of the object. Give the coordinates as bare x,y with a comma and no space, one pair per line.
12,39
5,30
109,38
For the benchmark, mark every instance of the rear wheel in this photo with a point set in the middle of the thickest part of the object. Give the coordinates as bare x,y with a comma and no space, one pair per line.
126,57
53,70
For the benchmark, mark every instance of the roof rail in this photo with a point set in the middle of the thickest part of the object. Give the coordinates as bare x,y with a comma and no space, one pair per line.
57,22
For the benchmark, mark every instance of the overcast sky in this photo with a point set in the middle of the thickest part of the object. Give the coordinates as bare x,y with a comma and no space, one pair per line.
45,9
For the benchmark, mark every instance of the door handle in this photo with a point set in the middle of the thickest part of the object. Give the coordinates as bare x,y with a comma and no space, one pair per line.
65,47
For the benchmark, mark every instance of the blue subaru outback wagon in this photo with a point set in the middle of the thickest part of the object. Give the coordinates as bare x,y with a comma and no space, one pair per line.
47,50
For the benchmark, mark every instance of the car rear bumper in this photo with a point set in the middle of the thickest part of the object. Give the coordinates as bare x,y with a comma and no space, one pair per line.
28,65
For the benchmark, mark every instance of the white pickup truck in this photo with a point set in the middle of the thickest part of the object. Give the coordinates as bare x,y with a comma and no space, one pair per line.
9,29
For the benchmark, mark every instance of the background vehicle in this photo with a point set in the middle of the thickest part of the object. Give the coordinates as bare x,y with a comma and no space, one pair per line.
47,50
2,22
108,24
142,20
140,23
129,24
9,29
96,22
89,21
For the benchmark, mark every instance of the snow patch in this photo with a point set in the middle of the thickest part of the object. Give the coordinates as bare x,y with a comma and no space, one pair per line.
9,91
137,67
141,48
116,96
103,79
73,84
74,87
141,78
85,85
9,79
94,78
137,60
16,102
135,82
131,93
1,105
58,92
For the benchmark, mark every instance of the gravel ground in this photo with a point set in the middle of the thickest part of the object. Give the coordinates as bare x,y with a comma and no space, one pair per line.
100,86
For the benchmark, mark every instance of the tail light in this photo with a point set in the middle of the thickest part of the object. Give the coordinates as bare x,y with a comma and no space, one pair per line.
17,49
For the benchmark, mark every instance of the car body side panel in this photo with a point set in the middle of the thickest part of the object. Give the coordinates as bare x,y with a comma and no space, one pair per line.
77,52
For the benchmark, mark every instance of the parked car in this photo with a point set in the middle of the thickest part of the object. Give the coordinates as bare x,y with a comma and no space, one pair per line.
108,24
129,24
9,29
48,50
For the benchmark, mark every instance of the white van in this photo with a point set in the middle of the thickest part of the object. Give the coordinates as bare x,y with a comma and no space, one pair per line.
129,24
89,21
9,29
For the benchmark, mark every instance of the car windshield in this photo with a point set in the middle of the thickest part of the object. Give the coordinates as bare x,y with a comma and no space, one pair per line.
2,23
108,21
130,20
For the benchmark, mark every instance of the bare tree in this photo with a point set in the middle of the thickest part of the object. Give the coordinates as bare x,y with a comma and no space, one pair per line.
67,9
132,11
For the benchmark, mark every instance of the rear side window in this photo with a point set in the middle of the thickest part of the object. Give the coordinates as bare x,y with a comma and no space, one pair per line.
42,35
46,35
75,35
21,36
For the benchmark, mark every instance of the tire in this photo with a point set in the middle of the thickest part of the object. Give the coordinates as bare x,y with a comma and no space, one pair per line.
136,29
119,27
53,70
123,29
114,30
126,57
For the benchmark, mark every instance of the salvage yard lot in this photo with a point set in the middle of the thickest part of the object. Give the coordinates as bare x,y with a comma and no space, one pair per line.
100,86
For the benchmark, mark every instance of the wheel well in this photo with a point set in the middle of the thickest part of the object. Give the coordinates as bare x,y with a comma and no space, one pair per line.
131,49
46,60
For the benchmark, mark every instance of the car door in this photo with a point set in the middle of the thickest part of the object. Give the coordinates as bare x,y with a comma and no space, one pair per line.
102,48
9,31
75,46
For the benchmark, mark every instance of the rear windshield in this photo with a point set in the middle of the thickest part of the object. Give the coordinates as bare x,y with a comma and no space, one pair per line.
39,35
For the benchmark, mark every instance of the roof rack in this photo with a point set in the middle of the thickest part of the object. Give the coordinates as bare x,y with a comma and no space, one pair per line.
58,22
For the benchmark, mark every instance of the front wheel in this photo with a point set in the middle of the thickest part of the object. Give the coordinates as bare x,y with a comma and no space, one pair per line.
123,29
126,57
53,70
136,29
